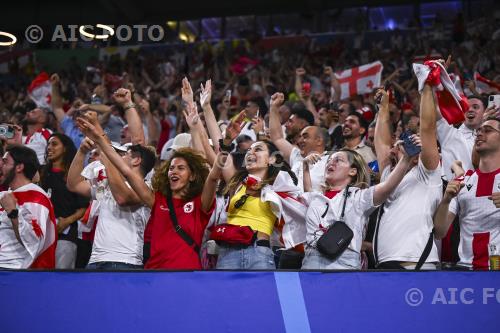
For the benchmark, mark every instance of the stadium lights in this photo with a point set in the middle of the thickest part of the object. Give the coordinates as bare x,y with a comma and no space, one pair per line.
9,35
107,28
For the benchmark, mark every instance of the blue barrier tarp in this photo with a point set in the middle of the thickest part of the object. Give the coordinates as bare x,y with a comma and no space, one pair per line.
219,301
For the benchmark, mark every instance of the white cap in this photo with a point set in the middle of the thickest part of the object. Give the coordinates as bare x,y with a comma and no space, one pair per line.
182,140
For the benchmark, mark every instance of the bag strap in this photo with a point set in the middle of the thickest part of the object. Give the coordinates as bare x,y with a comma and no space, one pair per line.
426,252
375,236
178,229
346,194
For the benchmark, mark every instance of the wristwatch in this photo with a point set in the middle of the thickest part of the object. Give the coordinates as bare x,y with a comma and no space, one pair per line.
13,214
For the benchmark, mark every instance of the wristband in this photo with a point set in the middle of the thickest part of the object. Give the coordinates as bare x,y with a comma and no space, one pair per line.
225,148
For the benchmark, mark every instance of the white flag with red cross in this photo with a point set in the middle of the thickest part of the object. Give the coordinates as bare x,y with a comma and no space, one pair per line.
360,80
40,90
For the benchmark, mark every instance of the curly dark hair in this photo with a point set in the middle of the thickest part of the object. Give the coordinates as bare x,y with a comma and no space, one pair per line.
198,167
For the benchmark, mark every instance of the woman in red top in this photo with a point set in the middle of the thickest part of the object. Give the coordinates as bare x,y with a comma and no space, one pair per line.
185,179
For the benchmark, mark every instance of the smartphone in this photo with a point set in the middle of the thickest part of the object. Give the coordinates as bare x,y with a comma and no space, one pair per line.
494,100
228,94
6,131
411,148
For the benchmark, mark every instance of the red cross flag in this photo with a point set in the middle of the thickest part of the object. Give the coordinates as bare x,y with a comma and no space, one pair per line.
40,90
359,80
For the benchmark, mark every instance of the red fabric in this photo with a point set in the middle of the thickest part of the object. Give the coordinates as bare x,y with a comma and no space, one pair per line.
485,182
449,109
46,259
490,83
330,194
164,135
446,246
168,249
232,234
39,81
434,77
481,257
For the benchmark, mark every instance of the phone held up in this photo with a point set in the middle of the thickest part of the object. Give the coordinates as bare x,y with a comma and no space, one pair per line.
411,148
6,131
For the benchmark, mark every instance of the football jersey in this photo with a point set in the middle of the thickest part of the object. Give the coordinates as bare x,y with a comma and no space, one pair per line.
38,142
478,216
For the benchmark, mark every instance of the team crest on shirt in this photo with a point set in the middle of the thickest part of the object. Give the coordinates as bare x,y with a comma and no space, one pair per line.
188,208
469,186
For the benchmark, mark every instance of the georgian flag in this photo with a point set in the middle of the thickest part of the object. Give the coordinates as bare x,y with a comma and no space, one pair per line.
451,103
359,80
40,90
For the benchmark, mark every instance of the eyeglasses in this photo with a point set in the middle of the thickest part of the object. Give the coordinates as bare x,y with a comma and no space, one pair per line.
486,129
241,201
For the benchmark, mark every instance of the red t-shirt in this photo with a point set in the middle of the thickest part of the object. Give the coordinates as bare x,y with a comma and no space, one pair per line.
168,249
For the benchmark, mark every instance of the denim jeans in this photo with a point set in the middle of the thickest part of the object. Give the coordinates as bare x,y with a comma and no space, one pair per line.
315,260
252,257
111,265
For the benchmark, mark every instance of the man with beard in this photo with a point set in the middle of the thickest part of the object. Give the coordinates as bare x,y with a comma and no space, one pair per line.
27,223
353,131
478,204
36,135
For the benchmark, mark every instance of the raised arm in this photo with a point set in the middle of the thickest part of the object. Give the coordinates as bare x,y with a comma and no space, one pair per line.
75,181
430,154
210,187
135,180
275,126
308,162
443,217
56,99
123,195
383,136
208,112
124,99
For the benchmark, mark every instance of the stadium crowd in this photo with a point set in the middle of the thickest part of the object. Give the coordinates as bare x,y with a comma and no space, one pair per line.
236,157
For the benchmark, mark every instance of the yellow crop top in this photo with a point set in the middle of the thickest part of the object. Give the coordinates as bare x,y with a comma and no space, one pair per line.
254,213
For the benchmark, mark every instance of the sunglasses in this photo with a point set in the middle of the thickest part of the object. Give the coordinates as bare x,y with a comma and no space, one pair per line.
241,201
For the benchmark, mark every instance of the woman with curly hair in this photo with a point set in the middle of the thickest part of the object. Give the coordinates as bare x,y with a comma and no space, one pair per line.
69,207
181,200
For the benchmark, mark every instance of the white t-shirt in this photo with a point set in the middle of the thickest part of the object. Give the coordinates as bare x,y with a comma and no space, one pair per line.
38,142
119,234
36,229
478,216
317,171
322,212
407,220
456,144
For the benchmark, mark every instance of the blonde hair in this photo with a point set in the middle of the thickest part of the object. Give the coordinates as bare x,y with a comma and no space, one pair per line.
362,178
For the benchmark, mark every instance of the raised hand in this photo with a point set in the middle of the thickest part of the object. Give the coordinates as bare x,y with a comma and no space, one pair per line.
122,97
277,99
187,91
191,115
382,97
233,129
87,146
311,159
54,79
453,189
89,130
258,125
206,93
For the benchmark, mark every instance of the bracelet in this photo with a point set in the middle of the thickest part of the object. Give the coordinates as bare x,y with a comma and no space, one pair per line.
225,148
128,106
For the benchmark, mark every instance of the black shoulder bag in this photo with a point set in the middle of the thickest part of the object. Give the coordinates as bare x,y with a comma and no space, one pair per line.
178,229
337,238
